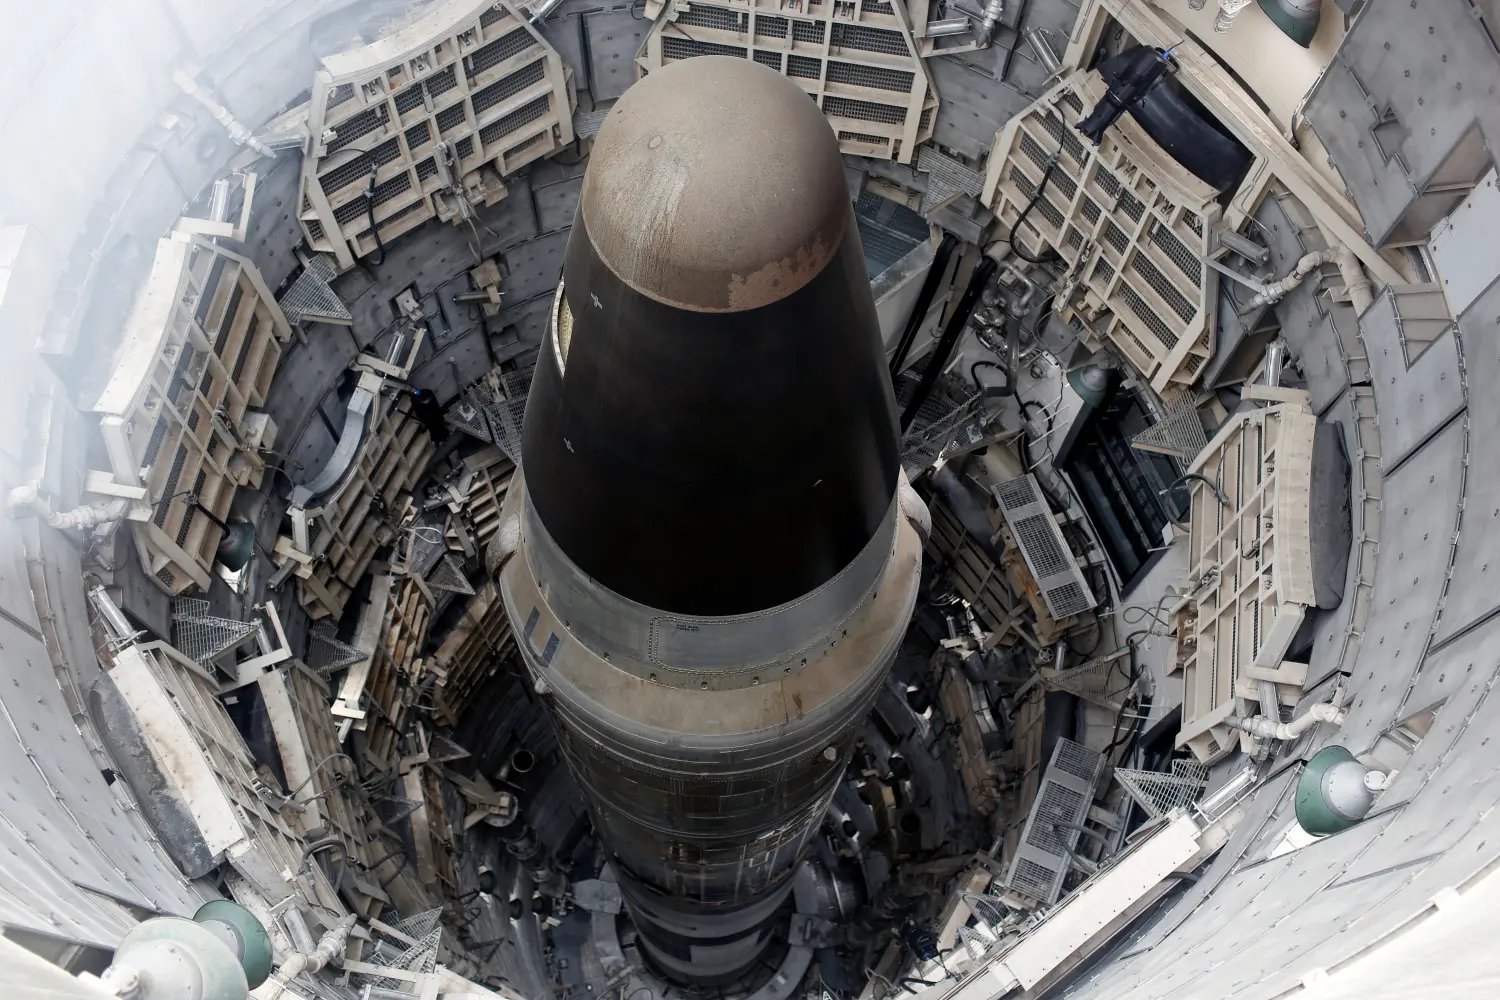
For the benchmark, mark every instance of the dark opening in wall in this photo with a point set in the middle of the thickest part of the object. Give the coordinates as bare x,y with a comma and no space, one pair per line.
1120,486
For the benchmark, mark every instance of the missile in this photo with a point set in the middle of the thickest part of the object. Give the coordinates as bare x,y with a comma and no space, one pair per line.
714,565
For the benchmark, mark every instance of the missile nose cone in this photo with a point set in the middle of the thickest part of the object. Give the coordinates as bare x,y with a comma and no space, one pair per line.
711,430
715,185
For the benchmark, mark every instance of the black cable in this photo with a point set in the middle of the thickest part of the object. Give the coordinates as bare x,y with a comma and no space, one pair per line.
1036,196
930,284
974,368
399,868
1098,638
318,847
1218,493
370,209
1032,402
957,323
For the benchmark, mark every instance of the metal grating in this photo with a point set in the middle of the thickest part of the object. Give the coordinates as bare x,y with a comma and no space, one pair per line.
1033,534
451,118
1041,860
1090,679
718,18
448,575
1174,299
467,415
589,123
868,59
501,49
867,39
1178,433
359,125
770,26
802,66
505,418
1032,524
873,77
497,130
421,924
1254,555
1158,793
338,95
418,135
509,86
1147,315
440,83
843,107
326,653
1178,253
420,957
202,637
673,47
947,178
409,99
403,90
808,31
938,426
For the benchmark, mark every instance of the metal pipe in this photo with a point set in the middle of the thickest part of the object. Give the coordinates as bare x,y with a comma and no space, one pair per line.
1226,795
83,517
993,11
947,27
1275,361
1228,11
1277,290
1244,246
238,133
331,945
540,9
113,617
1358,286
296,928
1042,49
1269,729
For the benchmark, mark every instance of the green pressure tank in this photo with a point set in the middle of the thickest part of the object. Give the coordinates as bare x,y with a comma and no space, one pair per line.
221,954
1332,794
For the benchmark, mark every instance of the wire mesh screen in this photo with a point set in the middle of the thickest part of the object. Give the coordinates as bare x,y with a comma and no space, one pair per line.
950,414
203,637
1159,793
448,575
325,653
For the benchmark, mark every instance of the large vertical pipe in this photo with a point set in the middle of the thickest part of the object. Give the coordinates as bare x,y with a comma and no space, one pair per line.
716,575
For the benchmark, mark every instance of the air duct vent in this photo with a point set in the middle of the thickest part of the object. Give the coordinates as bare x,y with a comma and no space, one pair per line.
1041,542
1051,833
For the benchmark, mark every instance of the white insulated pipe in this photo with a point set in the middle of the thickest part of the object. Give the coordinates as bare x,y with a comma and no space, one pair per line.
1359,287
331,944
1270,729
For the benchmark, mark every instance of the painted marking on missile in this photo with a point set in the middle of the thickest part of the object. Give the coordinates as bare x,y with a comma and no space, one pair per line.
549,650
531,620
570,446
595,299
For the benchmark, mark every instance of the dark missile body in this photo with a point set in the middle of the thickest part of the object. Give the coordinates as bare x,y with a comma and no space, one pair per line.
710,440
